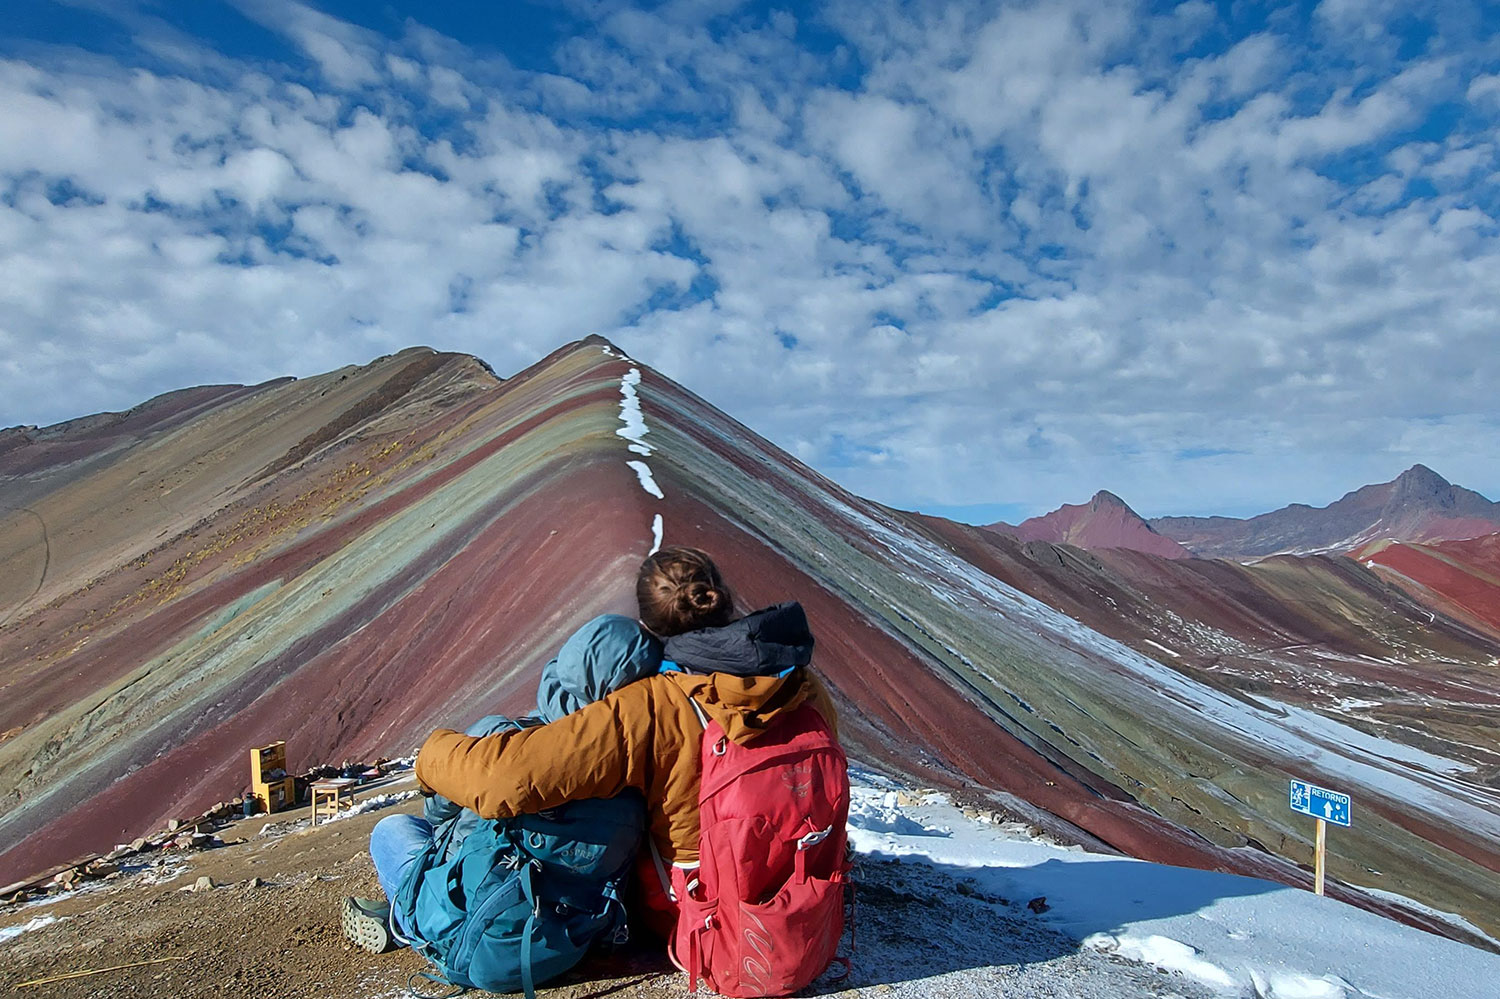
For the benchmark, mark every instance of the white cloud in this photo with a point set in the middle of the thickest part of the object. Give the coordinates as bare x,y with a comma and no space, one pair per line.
1034,252
347,56
1485,89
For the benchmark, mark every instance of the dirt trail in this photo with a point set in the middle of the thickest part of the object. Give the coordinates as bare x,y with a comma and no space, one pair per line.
41,576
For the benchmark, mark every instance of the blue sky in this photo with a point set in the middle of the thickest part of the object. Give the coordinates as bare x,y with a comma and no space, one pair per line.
979,259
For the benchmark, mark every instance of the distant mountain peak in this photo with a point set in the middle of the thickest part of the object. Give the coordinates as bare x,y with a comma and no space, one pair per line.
1419,480
1417,505
1105,521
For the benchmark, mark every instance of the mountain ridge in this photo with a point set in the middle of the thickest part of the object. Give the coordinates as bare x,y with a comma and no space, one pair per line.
418,562
1418,505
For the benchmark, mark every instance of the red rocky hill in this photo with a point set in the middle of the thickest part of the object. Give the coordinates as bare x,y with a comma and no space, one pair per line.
1103,522
1458,578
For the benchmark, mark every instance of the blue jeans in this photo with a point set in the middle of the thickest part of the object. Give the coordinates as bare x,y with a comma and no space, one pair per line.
395,843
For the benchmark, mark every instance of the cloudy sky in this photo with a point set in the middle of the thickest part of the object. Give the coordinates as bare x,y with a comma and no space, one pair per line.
980,259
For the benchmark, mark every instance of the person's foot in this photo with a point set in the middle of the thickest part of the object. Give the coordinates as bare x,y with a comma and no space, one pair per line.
367,924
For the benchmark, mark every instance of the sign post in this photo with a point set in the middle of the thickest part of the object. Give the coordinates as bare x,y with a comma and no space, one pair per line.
1320,857
1325,806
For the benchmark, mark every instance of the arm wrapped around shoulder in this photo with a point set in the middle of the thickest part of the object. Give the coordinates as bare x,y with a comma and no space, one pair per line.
470,770
595,752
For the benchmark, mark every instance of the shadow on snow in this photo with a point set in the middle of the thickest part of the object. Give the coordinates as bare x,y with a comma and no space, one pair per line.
916,919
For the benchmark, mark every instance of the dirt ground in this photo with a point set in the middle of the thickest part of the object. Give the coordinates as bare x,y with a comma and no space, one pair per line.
270,930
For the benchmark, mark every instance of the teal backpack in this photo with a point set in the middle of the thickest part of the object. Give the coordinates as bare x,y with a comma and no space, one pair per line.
521,900
503,904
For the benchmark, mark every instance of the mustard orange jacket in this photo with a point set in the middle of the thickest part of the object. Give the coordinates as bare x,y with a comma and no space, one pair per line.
644,735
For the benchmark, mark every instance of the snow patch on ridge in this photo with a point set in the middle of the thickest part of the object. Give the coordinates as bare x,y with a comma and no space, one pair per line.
635,429
1320,729
874,814
1451,918
648,483
656,531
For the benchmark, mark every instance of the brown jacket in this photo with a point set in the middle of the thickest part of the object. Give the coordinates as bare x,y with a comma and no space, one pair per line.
644,735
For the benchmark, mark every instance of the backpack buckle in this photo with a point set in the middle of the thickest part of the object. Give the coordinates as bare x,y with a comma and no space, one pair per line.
813,838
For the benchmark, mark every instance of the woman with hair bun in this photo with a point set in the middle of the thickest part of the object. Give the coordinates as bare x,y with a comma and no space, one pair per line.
679,589
745,672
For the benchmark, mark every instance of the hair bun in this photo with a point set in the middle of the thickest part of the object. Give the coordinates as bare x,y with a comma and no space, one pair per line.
679,589
699,597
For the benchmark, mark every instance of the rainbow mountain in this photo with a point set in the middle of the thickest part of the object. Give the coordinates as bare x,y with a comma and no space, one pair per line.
349,560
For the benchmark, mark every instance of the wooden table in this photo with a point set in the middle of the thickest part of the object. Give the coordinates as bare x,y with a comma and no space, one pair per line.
333,793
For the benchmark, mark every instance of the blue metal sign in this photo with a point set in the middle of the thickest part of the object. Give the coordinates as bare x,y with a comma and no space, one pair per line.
1329,806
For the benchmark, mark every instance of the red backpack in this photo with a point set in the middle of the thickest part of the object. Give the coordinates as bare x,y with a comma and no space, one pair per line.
763,912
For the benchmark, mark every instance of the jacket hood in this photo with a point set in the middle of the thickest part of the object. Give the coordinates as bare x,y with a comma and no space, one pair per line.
765,643
602,656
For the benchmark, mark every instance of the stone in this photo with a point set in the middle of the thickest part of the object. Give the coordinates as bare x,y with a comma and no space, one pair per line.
205,883
139,845
1038,904
173,825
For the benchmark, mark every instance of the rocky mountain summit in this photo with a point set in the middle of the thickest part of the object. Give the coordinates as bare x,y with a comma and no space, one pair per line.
1418,505
1103,522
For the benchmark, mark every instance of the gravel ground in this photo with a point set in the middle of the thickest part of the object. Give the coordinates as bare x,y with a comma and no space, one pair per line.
271,931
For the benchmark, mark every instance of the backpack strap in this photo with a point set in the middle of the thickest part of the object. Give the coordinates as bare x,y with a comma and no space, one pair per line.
698,710
661,869
434,853
528,982
718,747
417,991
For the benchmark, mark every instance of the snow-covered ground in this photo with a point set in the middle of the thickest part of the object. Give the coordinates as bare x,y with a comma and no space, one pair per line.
11,932
1214,934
